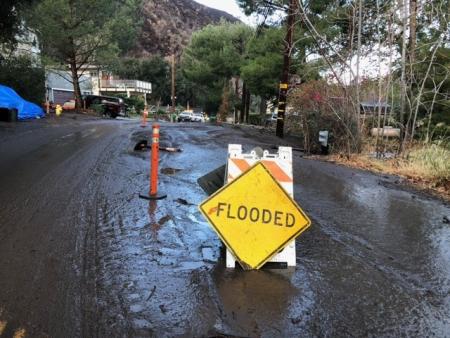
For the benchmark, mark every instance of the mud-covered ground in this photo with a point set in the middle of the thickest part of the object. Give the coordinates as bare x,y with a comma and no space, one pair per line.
82,256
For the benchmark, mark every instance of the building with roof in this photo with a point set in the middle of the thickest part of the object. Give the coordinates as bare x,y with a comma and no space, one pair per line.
94,81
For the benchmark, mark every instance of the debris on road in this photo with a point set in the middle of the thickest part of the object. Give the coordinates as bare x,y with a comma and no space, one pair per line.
163,308
143,146
151,293
171,149
170,171
164,220
296,321
182,201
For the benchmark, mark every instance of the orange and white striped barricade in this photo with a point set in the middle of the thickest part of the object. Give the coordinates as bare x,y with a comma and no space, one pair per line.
280,166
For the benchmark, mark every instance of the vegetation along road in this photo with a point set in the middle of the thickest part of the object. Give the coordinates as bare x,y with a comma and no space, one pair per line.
82,255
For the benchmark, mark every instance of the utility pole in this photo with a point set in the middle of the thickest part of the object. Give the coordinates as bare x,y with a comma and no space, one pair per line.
403,84
284,83
358,66
173,82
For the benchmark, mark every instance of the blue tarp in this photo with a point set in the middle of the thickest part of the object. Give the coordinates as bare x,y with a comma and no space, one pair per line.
9,99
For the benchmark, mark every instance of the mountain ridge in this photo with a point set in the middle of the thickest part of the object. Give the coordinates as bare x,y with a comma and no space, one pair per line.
168,25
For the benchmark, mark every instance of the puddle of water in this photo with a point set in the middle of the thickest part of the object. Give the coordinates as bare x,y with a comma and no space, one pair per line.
189,266
141,146
209,255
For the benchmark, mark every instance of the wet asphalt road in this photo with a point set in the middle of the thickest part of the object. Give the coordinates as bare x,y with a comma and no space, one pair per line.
82,256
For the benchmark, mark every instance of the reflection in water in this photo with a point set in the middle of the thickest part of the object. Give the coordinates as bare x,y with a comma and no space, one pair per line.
325,185
369,197
255,300
154,225
407,225
2,326
441,238
6,330
20,333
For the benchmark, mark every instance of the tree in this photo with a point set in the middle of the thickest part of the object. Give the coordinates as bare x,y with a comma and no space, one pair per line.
155,70
11,14
77,33
214,56
262,7
216,52
224,106
125,29
27,79
261,69
428,74
434,106
309,13
337,31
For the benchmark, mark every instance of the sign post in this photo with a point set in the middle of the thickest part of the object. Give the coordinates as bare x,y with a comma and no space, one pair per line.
255,217
323,140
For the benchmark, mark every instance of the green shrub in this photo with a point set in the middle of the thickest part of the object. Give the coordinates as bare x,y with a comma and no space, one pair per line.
432,161
98,108
26,79
255,119
135,104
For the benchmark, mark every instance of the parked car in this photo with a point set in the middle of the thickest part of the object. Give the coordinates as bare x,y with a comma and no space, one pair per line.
271,119
112,106
69,105
199,117
185,117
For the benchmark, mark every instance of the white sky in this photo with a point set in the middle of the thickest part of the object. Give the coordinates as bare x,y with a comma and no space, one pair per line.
228,6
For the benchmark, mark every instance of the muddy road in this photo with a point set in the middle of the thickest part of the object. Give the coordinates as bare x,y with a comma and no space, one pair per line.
82,256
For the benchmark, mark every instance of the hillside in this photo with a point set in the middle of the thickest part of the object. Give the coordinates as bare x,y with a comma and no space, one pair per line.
169,24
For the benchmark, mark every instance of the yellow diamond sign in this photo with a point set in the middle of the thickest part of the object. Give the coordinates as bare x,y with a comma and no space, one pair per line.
254,217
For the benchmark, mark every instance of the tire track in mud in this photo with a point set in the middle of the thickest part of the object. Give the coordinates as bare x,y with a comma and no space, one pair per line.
94,213
105,244
145,258
44,223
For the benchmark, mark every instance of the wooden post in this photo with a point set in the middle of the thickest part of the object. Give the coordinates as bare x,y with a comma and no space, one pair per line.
173,83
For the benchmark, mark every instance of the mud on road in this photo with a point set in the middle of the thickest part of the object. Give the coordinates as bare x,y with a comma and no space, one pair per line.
82,256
